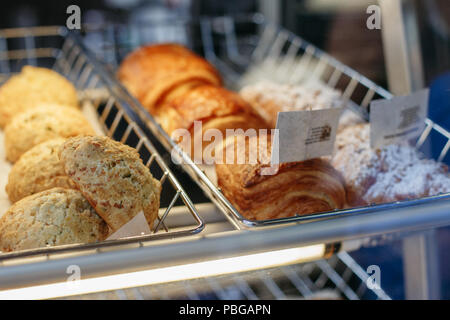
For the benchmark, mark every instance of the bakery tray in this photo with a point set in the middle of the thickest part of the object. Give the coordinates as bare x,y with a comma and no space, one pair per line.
55,47
239,46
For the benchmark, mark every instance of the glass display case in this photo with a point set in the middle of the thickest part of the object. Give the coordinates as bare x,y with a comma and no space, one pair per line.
202,247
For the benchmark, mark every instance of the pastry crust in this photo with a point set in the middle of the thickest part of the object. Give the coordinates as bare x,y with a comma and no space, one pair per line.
42,123
37,170
53,217
296,188
392,173
152,71
208,103
33,86
112,177
268,98
179,88
213,107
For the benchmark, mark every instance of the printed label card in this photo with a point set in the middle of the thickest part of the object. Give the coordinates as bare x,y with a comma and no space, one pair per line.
303,135
398,119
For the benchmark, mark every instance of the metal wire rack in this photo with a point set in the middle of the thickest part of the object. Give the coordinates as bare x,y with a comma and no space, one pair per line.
52,47
238,46
339,277
55,48
121,117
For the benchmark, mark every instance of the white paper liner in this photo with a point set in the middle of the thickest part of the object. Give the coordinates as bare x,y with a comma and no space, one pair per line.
137,226
5,167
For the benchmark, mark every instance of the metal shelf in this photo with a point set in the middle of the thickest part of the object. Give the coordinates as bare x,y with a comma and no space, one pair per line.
339,277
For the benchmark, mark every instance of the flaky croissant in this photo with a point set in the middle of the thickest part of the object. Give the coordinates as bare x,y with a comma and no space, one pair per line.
178,88
296,188
216,107
212,107
153,72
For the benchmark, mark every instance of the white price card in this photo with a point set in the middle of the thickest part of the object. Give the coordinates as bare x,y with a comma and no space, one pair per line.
137,226
398,119
303,135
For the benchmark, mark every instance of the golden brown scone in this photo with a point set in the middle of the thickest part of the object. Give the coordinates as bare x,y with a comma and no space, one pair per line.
296,188
33,86
112,177
53,217
37,170
391,173
152,72
42,123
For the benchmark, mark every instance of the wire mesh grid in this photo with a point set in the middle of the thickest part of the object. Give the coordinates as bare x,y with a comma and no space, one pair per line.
239,46
338,277
54,48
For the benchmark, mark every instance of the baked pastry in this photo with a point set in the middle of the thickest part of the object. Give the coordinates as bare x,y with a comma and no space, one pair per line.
151,72
112,177
178,88
53,217
208,103
268,98
296,188
33,86
37,170
215,107
42,123
392,173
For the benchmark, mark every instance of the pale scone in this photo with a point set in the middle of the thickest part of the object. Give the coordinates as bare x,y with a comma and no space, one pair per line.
33,86
53,217
37,170
40,124
112,177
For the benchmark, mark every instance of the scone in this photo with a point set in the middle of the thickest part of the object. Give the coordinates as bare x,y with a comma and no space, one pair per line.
37,170
112,177
53,217
33,86
40,124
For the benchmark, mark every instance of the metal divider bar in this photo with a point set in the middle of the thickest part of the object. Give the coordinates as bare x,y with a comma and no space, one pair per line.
297,281
4,59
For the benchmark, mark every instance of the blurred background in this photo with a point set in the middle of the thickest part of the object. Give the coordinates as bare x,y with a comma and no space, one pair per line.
338,27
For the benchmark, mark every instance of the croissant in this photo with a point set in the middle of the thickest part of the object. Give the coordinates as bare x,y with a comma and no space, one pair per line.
391,173
152,73
296,188
216,107
213,107
178,88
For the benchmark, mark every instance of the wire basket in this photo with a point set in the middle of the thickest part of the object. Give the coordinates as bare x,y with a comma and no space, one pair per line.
339,277
236,45
54,47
